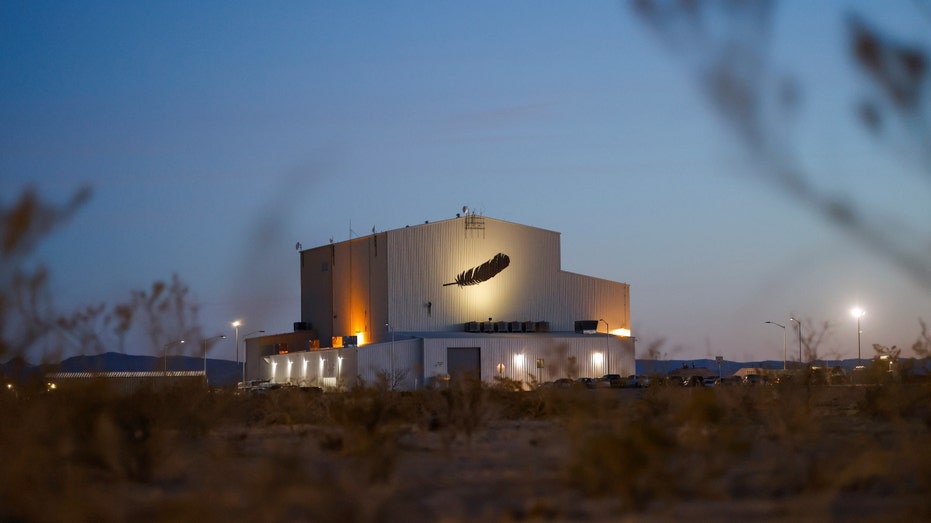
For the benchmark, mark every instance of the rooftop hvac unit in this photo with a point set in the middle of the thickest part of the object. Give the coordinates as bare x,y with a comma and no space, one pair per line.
488,326
514,326
530,326
586,326
472,326
543,326
501,326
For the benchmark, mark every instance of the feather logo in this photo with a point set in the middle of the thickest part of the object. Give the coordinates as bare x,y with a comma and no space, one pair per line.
483,272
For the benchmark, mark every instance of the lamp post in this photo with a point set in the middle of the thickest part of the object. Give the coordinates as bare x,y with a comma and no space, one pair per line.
607,333
858,313
783,342
165,352
236,325
391,357
206,341
244,352
799,338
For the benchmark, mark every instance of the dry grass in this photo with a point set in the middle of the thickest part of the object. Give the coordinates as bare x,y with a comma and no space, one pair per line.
470,452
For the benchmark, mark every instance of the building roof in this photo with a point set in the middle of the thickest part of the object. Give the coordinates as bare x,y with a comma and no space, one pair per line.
110,375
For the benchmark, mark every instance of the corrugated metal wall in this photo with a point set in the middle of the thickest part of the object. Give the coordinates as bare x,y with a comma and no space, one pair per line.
415,362
401,362
516,356
319,368
587,298
317,290
424,258
395,281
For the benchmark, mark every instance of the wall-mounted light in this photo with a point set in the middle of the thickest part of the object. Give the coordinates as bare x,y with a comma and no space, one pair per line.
518,360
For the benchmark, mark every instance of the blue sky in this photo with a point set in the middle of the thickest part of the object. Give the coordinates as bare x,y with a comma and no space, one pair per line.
216,136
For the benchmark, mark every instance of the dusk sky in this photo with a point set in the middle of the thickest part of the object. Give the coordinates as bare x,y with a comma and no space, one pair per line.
215,136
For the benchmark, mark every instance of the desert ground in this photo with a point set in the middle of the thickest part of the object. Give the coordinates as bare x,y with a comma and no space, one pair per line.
472,452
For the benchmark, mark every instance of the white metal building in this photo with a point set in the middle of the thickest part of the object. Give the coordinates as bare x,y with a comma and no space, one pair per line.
426,302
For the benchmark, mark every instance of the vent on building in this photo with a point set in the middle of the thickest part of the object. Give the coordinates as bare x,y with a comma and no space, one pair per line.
474,222
302,326
586,326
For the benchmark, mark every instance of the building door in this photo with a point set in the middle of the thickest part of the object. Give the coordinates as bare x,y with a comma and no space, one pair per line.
461,361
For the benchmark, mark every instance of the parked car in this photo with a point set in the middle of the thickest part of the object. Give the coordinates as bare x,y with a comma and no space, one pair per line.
638,381
257,386
754,379
615,380
563,383
710,381
588,383
600,383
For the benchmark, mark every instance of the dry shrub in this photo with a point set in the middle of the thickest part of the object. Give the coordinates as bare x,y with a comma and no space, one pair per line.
466,406
371,421
56,444
897,401
163,452
629,461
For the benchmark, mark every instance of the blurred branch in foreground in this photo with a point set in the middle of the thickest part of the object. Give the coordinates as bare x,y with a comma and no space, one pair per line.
24,297
725,44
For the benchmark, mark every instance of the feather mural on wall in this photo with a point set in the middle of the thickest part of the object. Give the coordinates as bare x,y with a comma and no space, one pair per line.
483,272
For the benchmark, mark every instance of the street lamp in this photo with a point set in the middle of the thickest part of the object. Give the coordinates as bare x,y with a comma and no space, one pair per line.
244,352
858,313
391,355
607,333
165,352
236,325
218,336
799,339
783,342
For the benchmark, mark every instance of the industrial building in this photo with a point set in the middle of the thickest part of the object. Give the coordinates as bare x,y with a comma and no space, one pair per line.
428,302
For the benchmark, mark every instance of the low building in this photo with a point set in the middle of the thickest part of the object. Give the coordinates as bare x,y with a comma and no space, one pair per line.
126,382
429,302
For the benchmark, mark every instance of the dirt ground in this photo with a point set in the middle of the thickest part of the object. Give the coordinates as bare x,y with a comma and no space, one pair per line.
632,455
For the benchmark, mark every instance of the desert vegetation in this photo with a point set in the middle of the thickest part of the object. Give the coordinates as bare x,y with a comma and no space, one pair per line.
468,452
